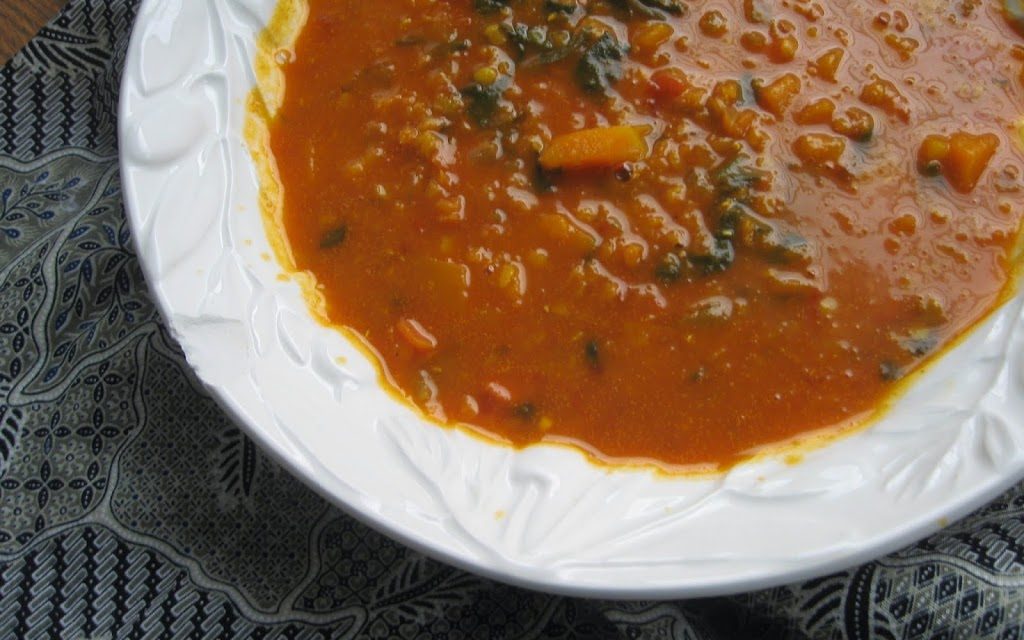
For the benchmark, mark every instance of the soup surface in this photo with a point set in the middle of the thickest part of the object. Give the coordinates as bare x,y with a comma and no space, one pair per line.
659,229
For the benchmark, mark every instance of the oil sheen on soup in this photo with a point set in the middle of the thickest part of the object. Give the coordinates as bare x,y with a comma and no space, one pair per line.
668,230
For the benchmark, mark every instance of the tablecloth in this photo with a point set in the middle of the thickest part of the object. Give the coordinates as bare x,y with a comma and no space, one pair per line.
131,507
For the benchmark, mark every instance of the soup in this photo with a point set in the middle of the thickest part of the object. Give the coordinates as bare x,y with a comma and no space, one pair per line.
666,230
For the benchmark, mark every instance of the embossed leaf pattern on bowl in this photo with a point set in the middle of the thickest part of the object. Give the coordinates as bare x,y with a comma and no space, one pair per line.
544,517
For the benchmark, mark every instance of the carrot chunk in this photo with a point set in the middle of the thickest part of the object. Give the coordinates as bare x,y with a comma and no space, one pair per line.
819,148
968,158
775,97
594,148
961,158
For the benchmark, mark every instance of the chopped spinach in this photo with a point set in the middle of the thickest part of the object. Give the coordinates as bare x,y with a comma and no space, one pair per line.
561,6
484,99
669,268
599,54
525,411
518,36
890,371
918,343
551,55
600,66
651,8
443,50
543,179
490,6
334,237
522,37
674,7
730,214
592,354
411,40
736,178
719,258
734,184
786,247
436,49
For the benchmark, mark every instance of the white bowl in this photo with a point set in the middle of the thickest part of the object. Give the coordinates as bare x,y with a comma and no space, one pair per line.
543,517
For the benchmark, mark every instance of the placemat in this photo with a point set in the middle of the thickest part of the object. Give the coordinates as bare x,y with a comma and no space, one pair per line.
131,507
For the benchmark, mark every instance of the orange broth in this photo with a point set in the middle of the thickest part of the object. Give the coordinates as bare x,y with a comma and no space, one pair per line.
774,213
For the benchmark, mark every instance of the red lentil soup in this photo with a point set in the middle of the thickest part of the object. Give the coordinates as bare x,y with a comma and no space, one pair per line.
670,230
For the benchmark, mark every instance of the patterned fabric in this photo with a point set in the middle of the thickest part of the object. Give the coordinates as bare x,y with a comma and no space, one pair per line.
131,507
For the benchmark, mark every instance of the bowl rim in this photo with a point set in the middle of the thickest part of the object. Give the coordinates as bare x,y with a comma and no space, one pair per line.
353,505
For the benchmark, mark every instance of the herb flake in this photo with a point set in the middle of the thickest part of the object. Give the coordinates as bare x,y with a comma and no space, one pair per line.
525,411
334,237
592,354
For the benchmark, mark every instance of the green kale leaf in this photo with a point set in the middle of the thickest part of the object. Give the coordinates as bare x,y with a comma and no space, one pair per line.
600,66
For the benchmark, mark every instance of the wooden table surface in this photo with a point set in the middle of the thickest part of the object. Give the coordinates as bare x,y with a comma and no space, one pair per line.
20,20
